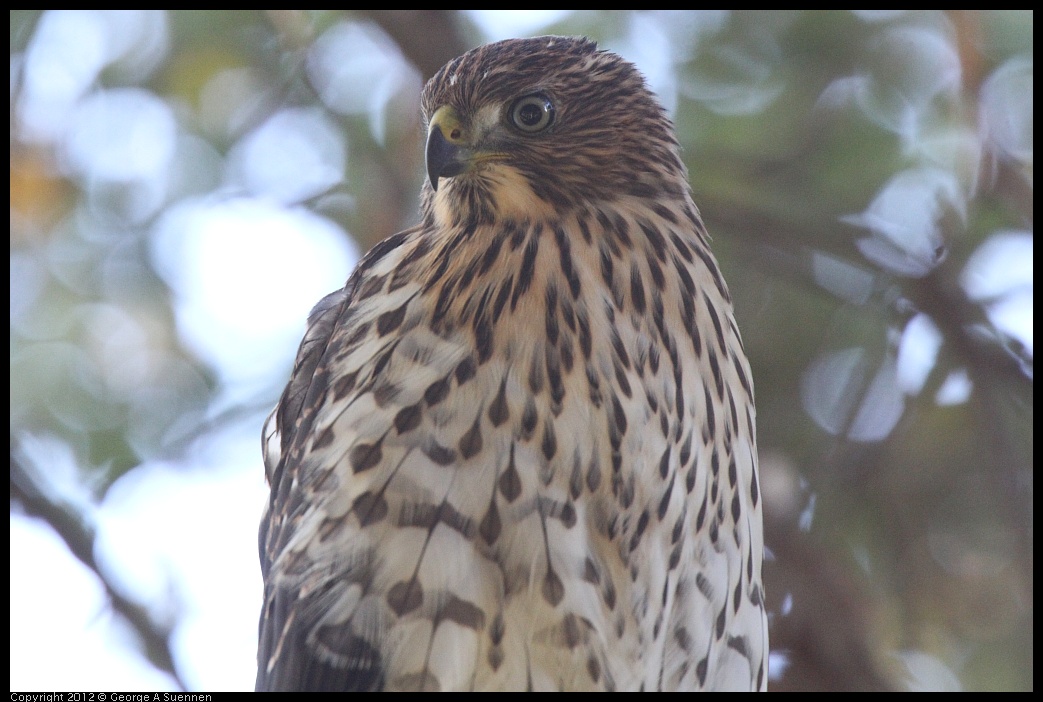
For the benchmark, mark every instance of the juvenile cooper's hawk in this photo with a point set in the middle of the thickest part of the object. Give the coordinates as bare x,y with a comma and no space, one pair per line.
517,450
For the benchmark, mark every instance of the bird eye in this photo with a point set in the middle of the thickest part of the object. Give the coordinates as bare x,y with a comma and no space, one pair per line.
532,113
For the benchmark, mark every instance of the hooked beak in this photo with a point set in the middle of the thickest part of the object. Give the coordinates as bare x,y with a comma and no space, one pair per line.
448,154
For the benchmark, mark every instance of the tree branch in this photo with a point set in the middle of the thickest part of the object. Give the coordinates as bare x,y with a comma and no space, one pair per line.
78,532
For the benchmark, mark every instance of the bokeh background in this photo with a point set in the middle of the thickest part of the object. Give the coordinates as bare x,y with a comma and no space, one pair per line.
185,185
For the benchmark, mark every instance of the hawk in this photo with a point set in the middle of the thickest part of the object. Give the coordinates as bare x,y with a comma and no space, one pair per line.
517,450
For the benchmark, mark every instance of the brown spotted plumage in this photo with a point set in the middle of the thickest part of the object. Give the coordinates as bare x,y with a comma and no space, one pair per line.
518,448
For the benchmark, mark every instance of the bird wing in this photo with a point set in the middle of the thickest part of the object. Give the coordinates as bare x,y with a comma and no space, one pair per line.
291,654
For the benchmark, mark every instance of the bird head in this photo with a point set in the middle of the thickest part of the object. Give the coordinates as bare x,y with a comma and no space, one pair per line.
525,126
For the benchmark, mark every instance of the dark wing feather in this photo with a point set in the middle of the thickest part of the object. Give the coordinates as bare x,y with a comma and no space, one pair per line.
282,630
287,620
